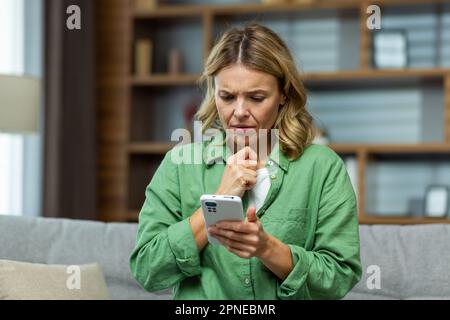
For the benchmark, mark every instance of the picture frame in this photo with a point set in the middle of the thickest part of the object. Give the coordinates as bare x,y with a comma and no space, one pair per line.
437,198
390,49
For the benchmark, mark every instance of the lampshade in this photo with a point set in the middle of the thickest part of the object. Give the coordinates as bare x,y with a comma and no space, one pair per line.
20,97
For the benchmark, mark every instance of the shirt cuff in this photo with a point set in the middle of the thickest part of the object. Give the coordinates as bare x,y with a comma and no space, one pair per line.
290,288
184,248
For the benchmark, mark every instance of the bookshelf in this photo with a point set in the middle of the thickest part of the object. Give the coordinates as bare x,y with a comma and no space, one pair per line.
132,142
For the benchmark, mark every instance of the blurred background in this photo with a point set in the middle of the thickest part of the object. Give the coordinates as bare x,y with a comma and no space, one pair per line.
90,92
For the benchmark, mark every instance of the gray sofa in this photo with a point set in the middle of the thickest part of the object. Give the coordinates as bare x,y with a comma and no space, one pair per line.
413,262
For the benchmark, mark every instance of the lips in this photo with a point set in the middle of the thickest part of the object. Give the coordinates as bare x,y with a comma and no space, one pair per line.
242,127
243,130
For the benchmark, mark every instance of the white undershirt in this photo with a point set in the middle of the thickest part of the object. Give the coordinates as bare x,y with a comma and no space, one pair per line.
259,192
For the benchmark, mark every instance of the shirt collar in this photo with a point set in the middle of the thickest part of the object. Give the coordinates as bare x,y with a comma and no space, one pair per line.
217,151
278,156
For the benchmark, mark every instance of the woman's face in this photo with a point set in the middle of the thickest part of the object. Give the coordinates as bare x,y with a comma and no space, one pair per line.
247,101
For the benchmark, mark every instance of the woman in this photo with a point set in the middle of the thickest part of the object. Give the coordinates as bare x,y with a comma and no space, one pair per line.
300,238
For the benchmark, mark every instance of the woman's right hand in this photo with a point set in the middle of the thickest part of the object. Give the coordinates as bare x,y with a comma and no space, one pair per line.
239,174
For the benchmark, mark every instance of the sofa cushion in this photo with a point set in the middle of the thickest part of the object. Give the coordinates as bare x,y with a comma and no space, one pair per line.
24,281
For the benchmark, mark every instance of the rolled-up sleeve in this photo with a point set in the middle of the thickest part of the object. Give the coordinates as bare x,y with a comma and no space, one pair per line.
165,251
332,268
184,248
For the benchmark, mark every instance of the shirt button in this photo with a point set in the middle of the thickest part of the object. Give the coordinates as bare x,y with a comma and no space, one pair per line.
247,281
270,162
273,177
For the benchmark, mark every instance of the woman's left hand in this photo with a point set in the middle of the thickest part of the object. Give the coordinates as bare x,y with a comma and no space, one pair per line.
245,239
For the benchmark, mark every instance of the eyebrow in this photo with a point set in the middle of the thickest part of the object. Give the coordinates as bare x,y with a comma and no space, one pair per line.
248,92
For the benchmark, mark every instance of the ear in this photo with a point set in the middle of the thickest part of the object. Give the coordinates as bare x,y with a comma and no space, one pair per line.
282,100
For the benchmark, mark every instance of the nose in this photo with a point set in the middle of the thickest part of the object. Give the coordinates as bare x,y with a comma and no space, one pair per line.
240,109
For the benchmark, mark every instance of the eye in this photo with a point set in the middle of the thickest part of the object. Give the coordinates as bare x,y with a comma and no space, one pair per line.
227,98
258,98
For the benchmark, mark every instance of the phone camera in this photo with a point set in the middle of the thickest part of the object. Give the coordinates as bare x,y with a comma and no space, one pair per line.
211,204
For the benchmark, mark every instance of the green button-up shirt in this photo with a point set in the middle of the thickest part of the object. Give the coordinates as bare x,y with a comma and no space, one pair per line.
311,207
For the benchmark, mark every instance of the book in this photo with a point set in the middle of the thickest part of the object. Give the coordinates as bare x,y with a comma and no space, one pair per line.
143,57
145,5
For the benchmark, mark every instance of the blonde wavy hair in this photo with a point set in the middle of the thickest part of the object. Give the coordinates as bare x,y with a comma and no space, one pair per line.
261,49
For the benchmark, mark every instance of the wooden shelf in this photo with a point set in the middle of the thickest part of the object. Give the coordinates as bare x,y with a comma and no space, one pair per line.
175,11
310,77
171,11
391,148
368,78
371,74
404,2
165,80
401,220
224,10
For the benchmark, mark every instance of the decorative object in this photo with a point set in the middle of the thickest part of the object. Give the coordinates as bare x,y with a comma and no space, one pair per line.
390,49
175,61
143,57
437,201
145,5
20,97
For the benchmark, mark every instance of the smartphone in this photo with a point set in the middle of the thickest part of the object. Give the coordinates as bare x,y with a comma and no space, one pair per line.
220,207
